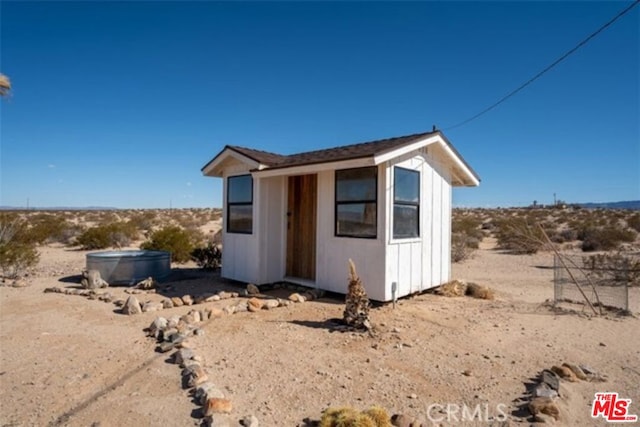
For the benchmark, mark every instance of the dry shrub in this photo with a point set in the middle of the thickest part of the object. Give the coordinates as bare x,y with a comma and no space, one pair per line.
176,240
17,251
208,257
458,288
519,235
605,238
216,214
462,247
350,417
466,234
356,310
633,221
379,415
613,268
454,288
144,221
117,234
481,292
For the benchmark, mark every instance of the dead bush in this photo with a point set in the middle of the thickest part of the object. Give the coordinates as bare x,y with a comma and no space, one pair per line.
50,228
633,222
613,268
519,236
208,257
454,288
481,292
462,247
348,416
605,238
17,251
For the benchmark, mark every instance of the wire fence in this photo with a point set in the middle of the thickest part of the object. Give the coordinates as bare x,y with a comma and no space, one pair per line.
605,279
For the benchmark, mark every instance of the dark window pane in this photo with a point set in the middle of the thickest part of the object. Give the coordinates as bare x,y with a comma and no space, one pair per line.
240,219
240,189
405,221
356,184
356,219
406,185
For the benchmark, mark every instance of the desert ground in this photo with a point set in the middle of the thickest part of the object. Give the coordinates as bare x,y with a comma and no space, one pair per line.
67,360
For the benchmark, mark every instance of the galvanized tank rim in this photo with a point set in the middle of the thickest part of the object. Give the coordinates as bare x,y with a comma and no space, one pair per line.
135,253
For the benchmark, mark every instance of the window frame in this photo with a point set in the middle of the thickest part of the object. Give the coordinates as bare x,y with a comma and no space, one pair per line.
231,204
355,202
405,203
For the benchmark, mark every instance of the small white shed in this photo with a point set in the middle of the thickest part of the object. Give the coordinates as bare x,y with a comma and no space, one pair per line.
385,204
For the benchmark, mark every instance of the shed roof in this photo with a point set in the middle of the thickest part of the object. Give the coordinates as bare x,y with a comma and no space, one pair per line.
370,149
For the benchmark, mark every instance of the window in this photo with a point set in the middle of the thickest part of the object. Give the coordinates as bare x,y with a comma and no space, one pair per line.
406,203
356,202
240,204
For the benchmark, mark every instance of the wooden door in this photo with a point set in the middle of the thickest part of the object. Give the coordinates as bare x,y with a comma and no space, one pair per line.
301,227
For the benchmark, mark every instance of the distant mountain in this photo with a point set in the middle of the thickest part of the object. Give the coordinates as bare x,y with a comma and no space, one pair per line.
631,204
57,208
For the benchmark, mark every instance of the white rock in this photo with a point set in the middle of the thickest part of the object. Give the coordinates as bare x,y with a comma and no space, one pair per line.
132,306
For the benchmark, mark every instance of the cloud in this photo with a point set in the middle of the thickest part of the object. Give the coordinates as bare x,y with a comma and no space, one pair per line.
188,184
51,166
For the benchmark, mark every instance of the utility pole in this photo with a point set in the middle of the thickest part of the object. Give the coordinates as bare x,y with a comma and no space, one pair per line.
555,202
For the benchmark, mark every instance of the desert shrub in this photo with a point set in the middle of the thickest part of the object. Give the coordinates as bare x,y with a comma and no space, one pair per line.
605,238
117,234
143,221
567,235
174,239
68,234
468,225
49,228
519,236
466,235
562,236
350,417
481,292
462,247
612,268
634,222
208,257
17,251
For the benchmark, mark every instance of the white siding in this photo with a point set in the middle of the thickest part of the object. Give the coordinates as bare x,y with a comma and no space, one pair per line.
420,263
333,253
273,225
240,252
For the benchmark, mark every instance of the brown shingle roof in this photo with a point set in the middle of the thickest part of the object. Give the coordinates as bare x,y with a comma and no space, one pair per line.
347,152
259,156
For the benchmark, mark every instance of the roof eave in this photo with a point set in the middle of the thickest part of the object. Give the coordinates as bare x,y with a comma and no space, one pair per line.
212,168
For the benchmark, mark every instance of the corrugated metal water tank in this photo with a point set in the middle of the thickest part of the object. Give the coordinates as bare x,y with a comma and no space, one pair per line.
131,266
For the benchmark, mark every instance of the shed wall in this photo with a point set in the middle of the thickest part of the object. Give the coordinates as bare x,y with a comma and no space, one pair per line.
272,227
240,252
417,264
334,252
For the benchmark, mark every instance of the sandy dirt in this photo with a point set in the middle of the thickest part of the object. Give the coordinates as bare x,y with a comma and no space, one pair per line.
68,360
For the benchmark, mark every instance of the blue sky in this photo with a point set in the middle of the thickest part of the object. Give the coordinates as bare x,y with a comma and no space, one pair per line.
121,103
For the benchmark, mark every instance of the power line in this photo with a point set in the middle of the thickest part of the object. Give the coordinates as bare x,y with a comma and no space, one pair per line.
549,67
